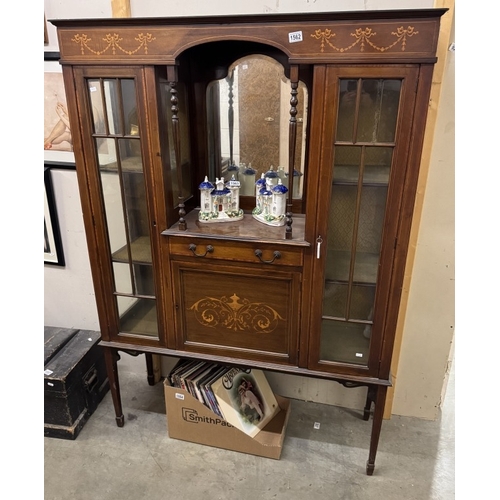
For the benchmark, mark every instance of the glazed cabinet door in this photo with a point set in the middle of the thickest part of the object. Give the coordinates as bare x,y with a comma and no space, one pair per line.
119,181
367,125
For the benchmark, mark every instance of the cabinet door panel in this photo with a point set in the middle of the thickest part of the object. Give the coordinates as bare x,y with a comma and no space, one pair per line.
237,311
367,120
118,173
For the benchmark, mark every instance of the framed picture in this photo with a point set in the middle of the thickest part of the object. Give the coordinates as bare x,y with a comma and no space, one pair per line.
52,245
57,142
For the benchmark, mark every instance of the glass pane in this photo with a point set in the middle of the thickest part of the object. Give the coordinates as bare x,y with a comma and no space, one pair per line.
345,342
341,219
143,278
121,170
362,300
97,104
377,165
130,155
378,110
113,109
347,163
375,119
347,110
131,121
137,316
121,273
112,197
134,201
140,275
335,300
106,154
369,238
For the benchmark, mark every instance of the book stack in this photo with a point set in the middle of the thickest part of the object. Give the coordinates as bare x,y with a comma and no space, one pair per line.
241,396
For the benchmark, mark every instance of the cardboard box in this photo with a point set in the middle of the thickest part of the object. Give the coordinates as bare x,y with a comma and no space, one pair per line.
190,420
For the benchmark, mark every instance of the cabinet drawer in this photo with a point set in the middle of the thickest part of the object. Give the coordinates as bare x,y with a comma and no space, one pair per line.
237,251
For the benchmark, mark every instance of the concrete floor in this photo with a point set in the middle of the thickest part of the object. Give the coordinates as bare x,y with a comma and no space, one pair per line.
415,457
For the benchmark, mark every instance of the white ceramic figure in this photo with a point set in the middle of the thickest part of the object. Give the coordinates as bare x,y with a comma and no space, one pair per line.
279,200
223,204
206,187
270,206
272,175
260,184
234,187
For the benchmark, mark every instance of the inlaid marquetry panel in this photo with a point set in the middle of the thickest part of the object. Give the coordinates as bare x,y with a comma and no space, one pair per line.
329,38
244,312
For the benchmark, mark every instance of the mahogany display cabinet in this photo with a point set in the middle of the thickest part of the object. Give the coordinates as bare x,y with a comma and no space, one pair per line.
332,106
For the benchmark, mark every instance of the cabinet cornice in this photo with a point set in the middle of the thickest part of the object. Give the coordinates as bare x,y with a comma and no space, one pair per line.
323,38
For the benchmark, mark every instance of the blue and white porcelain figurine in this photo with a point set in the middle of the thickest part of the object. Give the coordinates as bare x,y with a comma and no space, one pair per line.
206,187
270,206
219,203
260,184
272,175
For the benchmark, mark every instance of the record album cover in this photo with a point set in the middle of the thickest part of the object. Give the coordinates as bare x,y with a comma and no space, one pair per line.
246,399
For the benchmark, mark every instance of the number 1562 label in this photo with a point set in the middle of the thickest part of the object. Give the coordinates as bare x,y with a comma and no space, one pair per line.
296,36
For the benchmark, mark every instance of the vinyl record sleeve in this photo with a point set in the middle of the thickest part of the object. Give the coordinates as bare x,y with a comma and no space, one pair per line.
246,399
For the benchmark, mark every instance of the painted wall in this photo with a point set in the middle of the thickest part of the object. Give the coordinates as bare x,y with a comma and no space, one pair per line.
429,320
68,290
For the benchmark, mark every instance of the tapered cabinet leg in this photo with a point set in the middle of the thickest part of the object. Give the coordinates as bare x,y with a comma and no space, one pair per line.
150,368
153,365
378,415
111,358
370,397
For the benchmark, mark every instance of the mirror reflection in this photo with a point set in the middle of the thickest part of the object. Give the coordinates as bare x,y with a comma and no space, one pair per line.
248,123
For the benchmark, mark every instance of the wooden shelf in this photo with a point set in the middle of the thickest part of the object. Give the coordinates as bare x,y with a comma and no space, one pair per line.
129,165
365,269
140,319
344,342
247,229
373,175
140,250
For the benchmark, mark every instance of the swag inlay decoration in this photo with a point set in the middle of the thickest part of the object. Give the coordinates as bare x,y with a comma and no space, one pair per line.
364,35
113,42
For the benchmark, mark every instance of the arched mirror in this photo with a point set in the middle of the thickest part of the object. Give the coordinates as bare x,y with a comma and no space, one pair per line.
248,123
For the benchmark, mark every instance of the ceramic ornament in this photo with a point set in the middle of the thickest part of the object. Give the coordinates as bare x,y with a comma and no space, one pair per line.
260,184
272,175
206,187
223,201
270,206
